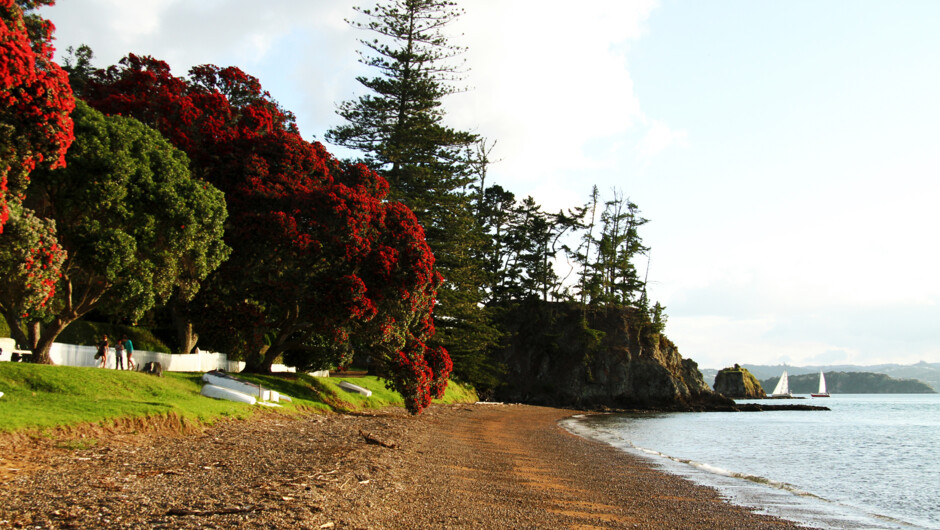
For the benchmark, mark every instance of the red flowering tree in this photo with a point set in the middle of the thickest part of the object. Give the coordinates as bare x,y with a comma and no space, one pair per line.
321,264
342,270
232,131
30,265
35,131
35,100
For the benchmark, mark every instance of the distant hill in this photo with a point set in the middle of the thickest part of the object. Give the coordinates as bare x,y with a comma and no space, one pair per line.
928,373
853,383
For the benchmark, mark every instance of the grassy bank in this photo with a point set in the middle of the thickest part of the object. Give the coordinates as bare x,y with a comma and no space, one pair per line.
43,397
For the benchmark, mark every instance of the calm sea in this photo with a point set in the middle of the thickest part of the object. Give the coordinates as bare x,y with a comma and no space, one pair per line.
873,461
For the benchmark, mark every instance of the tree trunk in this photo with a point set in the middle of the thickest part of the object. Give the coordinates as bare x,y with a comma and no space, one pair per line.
38,341
44,340
16,330
185,337
259,363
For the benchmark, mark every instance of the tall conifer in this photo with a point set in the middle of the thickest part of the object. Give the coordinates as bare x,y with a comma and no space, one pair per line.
398,126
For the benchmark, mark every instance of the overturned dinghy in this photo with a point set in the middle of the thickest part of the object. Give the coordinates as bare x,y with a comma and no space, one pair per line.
224,380
258,393
218,392
355,389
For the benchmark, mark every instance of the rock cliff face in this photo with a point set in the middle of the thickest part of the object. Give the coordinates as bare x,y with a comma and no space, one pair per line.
737,382
567,355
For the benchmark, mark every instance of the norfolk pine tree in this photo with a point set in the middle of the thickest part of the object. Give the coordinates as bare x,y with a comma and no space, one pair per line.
399,129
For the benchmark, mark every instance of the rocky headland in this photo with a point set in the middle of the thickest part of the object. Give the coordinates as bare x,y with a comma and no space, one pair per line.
738,383
569,355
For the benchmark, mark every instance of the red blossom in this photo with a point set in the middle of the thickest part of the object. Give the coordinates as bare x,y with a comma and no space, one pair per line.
35,102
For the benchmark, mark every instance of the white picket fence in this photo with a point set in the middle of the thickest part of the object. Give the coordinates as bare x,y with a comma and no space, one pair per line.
74,355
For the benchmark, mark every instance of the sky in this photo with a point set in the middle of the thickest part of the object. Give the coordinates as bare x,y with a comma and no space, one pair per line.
785,153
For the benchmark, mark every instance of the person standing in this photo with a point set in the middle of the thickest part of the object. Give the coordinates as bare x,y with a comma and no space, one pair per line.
129,348
103,352
118,355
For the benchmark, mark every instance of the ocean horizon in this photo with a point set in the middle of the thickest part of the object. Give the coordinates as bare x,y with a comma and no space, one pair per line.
869,462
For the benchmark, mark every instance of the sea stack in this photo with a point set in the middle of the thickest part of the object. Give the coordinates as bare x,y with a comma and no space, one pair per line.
736,382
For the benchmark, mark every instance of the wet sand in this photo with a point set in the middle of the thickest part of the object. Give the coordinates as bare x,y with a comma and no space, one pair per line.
461,466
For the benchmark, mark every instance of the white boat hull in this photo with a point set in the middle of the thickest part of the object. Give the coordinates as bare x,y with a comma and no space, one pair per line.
218,392
227,381
356,389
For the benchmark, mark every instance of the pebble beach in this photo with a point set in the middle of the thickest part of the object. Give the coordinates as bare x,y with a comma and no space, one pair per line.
455,466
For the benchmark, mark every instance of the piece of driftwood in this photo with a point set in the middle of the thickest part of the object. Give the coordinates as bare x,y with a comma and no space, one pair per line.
221,511
375,441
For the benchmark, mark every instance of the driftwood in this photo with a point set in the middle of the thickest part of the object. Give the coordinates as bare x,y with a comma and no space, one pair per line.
375,441
221,511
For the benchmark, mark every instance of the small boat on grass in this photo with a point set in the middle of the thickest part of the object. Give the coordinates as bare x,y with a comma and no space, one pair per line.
238,390
822,386
218,392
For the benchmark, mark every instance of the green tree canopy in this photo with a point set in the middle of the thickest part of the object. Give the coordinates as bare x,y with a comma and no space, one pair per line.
131,219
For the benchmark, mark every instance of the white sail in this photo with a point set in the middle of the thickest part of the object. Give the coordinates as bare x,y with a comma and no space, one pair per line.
822,383
783,386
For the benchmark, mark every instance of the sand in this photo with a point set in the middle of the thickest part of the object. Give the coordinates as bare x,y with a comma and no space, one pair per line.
459,466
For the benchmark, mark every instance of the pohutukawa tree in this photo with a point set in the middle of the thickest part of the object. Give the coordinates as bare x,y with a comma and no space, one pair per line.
35,131
321,263
30,264
399,128
233,132
35,100
130,218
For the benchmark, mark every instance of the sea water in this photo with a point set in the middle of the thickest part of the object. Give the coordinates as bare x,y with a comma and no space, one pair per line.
872,461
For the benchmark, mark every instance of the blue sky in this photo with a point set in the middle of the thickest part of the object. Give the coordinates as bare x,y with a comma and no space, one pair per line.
785,152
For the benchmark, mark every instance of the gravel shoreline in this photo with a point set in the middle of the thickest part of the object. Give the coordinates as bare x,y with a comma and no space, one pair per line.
458,466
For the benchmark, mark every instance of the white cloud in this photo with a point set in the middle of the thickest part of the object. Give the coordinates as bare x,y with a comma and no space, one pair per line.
658,138
549,82
187,33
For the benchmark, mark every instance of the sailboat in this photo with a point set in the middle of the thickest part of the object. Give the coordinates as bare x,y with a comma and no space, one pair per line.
782,390
822,386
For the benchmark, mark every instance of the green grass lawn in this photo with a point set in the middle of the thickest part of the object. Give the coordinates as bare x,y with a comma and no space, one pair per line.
40,397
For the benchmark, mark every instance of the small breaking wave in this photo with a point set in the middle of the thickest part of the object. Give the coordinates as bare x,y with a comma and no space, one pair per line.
715,470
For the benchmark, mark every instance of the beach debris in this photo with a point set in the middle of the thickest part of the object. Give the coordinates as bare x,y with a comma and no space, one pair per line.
153,368
375,441
222,511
